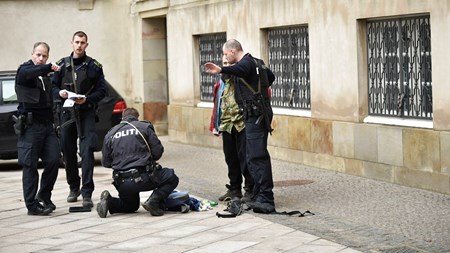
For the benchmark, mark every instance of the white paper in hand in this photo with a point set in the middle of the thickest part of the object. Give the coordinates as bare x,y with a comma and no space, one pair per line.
71,96
68,103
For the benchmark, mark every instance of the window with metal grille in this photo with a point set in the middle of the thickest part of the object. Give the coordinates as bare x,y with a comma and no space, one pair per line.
210,46
399,67
289,61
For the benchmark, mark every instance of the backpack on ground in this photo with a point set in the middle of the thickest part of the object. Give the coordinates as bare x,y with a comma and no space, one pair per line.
180,201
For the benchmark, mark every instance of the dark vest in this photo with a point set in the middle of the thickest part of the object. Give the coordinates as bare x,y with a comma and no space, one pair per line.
83,83
247,92
35,97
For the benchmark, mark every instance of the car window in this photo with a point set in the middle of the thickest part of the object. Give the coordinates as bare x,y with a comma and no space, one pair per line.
8,93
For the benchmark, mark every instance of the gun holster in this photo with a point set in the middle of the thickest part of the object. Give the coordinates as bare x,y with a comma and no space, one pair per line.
21,122
153,171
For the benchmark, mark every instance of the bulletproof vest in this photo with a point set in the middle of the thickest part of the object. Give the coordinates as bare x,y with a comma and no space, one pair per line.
37,97
83,83
247,91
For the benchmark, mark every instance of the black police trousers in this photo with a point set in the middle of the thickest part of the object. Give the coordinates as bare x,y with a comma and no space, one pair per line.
234,151
88,142
129,189
258,158
38,141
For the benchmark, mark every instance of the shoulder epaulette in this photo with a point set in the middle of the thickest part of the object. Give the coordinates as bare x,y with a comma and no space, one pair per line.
59,62
97,63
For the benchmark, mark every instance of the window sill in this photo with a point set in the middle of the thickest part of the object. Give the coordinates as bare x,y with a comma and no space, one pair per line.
205,104
291,112
276,110
420,123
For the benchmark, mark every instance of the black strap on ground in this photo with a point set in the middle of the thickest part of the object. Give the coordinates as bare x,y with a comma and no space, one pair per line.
290,213
294,213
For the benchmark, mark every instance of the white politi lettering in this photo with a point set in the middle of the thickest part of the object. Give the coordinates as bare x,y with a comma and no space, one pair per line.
124,133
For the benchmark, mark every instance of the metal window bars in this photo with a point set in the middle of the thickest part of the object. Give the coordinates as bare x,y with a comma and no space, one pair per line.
399,67
289,61
210,47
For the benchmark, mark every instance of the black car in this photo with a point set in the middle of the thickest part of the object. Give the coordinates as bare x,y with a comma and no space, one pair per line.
109,114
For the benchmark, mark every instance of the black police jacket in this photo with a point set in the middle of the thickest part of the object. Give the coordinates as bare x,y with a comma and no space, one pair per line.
33,89
246,69
124,148
90,80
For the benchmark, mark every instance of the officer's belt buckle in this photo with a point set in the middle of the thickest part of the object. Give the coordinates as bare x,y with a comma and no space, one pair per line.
128,173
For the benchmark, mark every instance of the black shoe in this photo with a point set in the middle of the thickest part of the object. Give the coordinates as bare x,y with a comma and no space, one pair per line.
152,205
46,203
40,210
73,196
87,202
266,208
231,193
103,205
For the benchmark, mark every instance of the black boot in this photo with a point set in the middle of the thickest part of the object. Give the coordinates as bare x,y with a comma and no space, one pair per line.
231,193
153,205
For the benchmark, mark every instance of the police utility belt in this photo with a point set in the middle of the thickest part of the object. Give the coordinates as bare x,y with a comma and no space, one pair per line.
135,174
23,122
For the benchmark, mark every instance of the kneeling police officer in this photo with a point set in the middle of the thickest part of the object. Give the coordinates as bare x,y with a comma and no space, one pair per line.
131,149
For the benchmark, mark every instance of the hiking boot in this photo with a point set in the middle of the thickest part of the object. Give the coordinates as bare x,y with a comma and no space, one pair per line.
46,203
103,205
230,194
73,196
87,202
40,210
152,205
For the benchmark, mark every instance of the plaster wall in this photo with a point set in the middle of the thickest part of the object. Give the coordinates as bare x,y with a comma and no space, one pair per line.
106,22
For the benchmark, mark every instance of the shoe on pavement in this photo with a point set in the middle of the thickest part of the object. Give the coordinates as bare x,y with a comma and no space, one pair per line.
103,205
266,208
231,194
73,196
87,202
152,206
40,210
46,203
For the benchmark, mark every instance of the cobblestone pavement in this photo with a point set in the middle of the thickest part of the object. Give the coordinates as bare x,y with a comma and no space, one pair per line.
367,215
174,232
355,213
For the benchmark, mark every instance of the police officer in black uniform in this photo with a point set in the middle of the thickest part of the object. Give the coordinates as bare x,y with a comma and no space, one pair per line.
131,149
83,75
251,94
35,129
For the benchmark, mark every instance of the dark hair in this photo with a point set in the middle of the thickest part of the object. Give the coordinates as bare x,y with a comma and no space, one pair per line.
41,43
130,111
233,44
80,34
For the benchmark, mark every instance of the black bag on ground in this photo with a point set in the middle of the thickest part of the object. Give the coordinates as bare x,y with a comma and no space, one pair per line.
234,208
